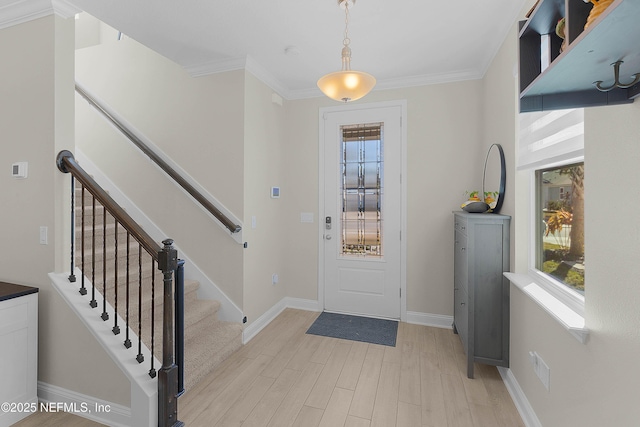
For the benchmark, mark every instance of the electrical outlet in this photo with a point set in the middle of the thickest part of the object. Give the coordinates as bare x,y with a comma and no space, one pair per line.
544,373
541,369
274,279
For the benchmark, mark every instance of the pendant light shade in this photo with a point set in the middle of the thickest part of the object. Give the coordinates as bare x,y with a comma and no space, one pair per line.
347,84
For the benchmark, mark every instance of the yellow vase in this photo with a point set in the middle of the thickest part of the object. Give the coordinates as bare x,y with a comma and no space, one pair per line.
598,7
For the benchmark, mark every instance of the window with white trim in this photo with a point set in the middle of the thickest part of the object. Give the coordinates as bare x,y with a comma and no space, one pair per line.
551,149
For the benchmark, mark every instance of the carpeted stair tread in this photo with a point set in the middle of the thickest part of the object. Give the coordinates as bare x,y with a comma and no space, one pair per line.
190,297
209,345
208,341
206,345
195,312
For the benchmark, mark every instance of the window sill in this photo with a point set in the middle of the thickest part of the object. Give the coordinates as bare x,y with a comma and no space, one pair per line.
569,319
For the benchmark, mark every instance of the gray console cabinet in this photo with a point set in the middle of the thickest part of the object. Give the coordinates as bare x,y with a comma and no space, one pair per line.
481,292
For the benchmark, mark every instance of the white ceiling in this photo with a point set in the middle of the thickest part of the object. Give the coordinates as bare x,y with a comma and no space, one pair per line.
402,43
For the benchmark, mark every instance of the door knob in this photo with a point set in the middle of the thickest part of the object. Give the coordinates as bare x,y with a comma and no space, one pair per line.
328,236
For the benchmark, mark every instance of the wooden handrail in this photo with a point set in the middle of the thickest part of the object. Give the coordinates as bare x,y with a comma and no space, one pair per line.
166,257
226,221
67,164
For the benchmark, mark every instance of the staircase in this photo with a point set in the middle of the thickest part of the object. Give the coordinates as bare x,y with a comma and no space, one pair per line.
208,341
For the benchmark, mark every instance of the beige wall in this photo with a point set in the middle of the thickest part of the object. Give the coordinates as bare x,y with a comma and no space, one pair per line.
445,158
450,126
592,384
265,163
198,123
279,147
36,121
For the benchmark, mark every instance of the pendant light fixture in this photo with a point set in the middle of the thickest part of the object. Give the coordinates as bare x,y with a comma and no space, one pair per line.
346,85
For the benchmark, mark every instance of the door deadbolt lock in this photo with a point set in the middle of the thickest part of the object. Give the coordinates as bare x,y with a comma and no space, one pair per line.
327,223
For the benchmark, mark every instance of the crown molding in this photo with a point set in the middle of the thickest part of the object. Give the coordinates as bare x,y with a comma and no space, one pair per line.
267,78
251,65
400,83
239,63
22,11
216,66
429,79
64,9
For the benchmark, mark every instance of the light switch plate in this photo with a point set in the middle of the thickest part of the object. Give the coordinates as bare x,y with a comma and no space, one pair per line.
19,170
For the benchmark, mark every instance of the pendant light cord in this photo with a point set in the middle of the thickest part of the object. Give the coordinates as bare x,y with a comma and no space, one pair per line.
346,40
346,50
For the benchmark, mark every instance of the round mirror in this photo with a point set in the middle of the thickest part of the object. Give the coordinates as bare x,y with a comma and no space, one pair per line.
494,178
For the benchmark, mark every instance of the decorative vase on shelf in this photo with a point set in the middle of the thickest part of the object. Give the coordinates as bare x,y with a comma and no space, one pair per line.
599,6
561,30
474,204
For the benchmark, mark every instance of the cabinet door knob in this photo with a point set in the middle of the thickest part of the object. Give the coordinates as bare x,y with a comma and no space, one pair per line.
462,303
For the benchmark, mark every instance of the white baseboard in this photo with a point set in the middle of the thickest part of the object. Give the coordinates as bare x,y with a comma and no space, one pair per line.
287,302
426,319
527,413
59,399
302,304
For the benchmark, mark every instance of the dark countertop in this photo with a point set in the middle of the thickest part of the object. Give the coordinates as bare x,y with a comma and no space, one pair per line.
9,291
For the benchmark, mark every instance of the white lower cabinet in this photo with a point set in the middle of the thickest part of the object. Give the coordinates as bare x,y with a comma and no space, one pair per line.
18,352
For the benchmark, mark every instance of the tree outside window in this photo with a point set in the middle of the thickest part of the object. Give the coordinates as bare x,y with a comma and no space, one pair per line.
561,220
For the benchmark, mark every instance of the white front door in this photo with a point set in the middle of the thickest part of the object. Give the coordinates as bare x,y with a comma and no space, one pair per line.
362,210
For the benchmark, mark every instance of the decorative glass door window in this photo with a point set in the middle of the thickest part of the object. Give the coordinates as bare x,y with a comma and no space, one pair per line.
362,184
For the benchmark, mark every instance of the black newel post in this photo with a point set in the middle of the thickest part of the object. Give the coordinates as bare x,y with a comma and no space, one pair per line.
168,375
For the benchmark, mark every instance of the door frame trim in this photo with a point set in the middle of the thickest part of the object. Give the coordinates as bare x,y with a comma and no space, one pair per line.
402,103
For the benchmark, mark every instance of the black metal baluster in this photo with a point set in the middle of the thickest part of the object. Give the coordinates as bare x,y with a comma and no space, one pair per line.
116,328
140,356
72,276
83,290
152,371
105,315
127,341
93,302
179,324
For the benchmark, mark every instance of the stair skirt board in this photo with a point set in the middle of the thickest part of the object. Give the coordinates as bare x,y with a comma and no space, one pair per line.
208,341
144,390
59,399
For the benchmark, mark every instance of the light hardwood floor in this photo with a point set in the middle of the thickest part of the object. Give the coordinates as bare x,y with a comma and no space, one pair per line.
284,377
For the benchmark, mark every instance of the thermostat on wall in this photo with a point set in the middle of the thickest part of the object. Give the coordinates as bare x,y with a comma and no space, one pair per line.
275,192
19,170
